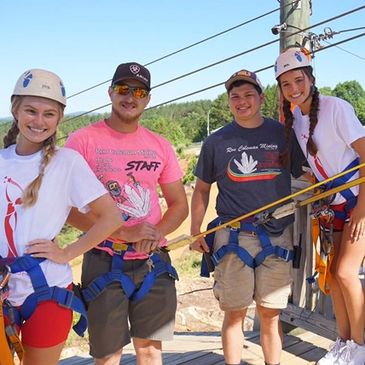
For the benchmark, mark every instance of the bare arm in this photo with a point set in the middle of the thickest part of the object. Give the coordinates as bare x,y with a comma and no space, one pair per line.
81,221
177,207
199,205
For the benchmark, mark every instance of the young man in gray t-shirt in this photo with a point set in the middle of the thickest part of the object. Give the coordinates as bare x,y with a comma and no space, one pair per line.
245,159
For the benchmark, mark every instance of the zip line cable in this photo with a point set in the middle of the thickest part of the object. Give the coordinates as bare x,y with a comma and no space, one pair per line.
192,45
212,86
258,47
329,33
229,58
349,30
347,51
257,71
340,42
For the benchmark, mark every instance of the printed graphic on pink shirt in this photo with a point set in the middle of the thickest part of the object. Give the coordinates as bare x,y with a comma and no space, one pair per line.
13,194
129,175
132,199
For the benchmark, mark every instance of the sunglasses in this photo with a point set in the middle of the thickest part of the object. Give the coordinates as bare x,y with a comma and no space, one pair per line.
137,92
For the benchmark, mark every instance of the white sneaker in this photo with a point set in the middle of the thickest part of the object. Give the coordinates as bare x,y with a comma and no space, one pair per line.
334,352
352,354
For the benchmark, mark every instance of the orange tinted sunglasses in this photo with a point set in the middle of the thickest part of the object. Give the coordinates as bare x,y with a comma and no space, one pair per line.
137,92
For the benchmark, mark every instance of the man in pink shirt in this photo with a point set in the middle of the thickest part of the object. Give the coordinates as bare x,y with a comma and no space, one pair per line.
131,162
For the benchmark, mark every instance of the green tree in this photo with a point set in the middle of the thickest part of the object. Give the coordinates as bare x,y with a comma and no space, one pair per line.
326,90
353,92
270,107
167,128
219,112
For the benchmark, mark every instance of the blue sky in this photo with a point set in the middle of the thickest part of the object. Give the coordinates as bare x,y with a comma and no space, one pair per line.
84,40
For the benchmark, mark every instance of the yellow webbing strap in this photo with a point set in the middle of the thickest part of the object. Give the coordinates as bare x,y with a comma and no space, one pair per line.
6,357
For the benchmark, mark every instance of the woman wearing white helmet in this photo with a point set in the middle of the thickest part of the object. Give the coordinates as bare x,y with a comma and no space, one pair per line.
333,140
41,183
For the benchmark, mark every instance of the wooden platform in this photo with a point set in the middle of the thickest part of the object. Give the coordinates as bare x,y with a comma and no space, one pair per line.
205,349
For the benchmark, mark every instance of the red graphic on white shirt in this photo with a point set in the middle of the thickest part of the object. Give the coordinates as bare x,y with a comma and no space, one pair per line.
11,217
319,167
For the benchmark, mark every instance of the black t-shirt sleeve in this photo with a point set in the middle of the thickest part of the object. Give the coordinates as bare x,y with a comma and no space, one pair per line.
297,158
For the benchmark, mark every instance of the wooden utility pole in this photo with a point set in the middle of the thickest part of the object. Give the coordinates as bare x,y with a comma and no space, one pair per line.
293,17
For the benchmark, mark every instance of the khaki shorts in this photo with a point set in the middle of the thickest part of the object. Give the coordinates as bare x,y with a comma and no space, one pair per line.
114,319
237,285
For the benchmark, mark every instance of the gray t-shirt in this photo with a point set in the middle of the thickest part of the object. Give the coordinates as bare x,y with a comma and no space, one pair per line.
245,164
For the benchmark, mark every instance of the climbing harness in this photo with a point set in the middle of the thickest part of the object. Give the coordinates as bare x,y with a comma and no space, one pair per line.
322,266
322,237
42,292
322,220
156,267
255,227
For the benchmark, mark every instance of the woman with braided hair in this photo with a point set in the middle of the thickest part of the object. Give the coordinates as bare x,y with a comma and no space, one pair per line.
333,140
40,184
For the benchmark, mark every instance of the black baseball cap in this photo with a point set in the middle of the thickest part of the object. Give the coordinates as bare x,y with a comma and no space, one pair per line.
134,71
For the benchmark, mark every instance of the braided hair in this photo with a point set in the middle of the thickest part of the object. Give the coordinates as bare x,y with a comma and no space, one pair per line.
30,194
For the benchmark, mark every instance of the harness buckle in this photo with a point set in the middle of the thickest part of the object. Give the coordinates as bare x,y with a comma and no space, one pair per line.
67,302
235,225
118,248
286,254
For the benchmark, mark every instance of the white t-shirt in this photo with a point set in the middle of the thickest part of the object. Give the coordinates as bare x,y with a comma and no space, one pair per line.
336,129
68,182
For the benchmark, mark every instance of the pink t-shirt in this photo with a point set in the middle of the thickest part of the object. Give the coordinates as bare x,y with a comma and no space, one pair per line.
130,166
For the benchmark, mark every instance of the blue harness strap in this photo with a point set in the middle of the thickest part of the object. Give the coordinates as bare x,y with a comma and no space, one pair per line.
233,247
98,285
350,197
159,267
267,247
42,292
209,239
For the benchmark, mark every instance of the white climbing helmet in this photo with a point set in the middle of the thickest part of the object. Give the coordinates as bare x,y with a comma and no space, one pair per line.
37,82
291,59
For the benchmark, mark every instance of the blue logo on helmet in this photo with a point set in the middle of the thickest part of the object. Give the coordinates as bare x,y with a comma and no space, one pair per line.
298,56
27,78
63,90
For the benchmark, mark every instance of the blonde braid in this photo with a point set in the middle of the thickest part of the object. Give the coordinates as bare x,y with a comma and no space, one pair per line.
30,195
10,137
13,132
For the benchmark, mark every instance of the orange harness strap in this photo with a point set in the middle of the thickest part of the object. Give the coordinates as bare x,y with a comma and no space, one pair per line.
322,260
6,357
